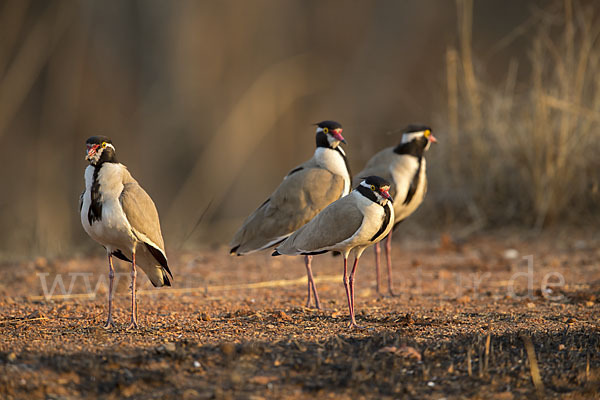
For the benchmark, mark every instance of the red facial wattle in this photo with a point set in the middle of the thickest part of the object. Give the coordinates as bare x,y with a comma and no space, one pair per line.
386,194
337,133
91,151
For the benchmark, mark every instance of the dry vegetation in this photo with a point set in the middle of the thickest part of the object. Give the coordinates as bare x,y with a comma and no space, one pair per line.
525,151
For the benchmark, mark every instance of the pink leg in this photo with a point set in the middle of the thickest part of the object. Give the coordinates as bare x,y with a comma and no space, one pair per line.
311,283
388,254
347,287
377,258
353,323
308,274
133,324
111,278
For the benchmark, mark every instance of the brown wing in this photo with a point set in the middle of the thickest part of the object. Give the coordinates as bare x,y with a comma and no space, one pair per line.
141,213
336,223
300,197
378,165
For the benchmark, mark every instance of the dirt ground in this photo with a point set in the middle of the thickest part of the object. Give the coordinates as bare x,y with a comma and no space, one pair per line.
472,320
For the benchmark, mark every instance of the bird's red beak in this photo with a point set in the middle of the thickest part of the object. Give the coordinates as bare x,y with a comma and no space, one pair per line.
432,138
385,193
91,150
337,133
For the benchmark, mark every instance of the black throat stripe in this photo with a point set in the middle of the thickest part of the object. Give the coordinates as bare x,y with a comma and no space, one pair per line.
95,210
345,161
414,183
386,222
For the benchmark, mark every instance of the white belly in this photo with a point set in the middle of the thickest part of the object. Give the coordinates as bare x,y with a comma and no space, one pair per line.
112,230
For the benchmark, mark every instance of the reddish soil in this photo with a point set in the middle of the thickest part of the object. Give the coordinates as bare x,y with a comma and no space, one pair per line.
459,328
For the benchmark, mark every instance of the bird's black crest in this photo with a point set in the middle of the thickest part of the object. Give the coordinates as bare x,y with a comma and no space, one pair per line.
329,125
378,181
415,128
98,140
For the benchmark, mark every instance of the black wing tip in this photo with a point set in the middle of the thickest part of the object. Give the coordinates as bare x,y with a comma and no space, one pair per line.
166,280
119,254
275,253
234,252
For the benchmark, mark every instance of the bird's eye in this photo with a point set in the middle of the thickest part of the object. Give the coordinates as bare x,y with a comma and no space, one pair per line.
103,145
373,187
325,130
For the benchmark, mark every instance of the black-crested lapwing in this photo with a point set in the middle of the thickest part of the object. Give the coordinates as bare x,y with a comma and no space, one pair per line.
306,190
352,223
405,167
117,213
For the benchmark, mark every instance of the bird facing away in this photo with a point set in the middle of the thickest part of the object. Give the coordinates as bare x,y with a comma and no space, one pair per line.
352,223
117,213
303,193
404,166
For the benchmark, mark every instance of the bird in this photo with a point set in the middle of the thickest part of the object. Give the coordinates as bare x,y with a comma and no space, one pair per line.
405,167
305,190
117,213
352,223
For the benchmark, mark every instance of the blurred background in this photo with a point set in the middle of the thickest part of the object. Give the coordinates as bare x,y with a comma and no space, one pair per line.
210,104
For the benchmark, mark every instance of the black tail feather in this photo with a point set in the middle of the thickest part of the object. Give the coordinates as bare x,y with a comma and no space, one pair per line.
160,257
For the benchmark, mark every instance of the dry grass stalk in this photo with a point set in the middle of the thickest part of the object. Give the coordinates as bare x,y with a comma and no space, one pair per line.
526,148
533,366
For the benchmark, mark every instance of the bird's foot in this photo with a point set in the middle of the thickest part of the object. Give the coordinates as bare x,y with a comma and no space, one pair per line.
311,307
392,293
318,305
353,325
133,325
109,324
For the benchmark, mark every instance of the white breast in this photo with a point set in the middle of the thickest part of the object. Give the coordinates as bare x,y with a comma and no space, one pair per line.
403,170
373,216
333,161
113,230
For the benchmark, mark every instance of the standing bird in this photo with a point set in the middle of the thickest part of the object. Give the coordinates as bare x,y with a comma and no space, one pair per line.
117,213
404,166
304,192
352,223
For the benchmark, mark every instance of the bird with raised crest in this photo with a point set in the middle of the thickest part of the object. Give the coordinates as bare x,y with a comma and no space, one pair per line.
404,166
117,213
350,224
303,193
